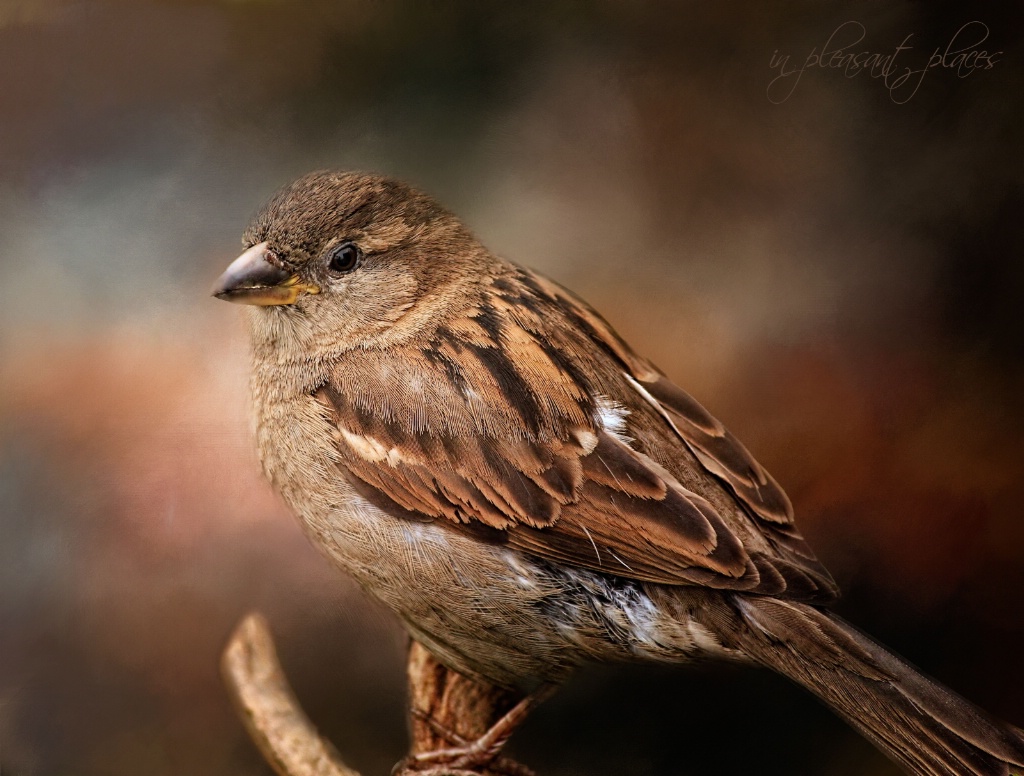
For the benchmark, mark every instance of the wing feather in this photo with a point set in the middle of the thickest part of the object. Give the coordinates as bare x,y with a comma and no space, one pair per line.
494,425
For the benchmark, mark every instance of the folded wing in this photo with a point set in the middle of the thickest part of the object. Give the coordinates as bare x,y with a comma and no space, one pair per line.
512,422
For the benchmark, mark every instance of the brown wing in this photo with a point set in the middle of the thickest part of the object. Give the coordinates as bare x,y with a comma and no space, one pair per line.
508,419
718,451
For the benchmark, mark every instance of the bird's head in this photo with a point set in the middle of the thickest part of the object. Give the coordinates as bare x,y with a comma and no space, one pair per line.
350,259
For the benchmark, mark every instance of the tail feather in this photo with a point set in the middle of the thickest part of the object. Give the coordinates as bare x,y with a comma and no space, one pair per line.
926,727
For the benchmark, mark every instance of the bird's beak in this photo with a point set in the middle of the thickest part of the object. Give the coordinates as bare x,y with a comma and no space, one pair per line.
253,279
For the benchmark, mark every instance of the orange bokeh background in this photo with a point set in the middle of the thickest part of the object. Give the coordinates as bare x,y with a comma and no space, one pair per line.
837,277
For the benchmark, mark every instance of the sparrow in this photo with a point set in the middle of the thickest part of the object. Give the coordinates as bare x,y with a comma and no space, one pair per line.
480,450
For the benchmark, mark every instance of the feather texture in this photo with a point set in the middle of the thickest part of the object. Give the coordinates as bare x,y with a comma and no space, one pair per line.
926,727
497,419
486,456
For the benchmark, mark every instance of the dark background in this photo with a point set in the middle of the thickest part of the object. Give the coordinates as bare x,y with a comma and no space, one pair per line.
838,277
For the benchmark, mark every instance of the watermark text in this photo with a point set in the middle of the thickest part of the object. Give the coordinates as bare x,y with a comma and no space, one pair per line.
901,70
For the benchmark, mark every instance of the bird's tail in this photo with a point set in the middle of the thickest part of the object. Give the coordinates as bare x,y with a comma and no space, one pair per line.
926,727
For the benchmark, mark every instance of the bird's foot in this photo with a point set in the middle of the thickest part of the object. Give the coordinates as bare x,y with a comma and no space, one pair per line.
470,758
501,765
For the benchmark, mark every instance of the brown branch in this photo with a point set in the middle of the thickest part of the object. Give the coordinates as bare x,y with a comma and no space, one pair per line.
446,709
269,710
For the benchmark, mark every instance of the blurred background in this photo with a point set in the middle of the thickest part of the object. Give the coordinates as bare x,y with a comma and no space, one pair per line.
838,276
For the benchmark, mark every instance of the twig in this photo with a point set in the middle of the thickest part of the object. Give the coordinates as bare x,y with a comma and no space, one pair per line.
267,705
446,709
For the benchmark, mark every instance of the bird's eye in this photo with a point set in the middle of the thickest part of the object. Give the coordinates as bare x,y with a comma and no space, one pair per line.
344,258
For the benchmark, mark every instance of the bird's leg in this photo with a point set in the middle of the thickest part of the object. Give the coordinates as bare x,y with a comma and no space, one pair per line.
502,765
459,724
483,751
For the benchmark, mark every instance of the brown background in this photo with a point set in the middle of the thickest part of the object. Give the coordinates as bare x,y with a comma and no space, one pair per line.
839,278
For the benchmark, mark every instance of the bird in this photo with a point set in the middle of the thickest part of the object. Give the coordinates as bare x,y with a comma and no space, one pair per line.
480,450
